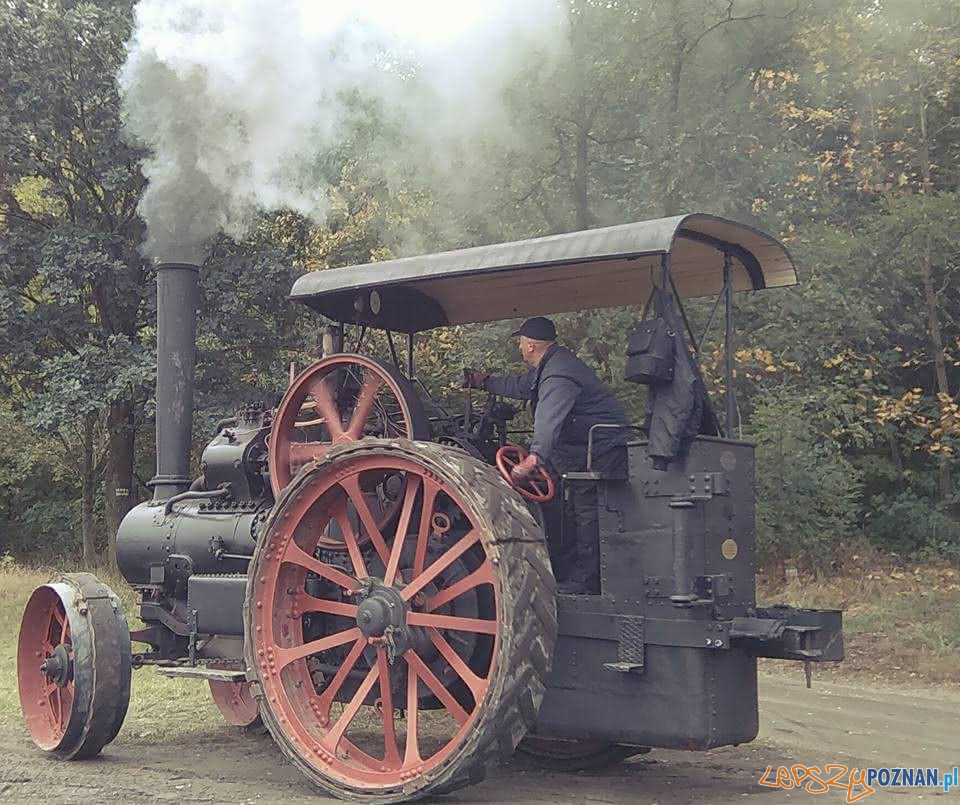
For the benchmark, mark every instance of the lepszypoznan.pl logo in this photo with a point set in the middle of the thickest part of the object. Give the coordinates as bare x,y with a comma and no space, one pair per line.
857,783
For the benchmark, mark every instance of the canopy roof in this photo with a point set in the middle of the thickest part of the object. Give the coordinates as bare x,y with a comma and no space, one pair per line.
598,268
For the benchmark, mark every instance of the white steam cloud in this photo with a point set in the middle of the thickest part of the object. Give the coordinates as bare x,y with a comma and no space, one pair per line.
235,98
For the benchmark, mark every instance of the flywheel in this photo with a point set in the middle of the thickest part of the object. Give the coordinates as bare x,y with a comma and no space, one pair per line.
73,666
409,659
340,399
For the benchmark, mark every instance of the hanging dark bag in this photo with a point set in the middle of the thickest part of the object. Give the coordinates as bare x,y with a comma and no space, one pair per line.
650,353
650,349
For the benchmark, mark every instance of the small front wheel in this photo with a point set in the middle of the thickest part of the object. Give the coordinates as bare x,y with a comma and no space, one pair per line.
73,666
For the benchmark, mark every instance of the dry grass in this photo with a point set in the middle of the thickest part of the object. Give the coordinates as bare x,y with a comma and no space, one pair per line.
159,707
901,622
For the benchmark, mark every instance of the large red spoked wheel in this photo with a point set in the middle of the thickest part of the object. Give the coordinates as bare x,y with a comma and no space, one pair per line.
73,666
404,663
538,487
341,399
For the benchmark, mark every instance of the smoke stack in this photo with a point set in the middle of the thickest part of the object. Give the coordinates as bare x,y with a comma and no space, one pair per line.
177,295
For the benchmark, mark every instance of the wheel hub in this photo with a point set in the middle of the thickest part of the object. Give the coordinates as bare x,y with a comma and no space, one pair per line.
58,667
382,617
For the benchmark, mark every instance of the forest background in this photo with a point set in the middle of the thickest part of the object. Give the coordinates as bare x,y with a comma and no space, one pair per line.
834,125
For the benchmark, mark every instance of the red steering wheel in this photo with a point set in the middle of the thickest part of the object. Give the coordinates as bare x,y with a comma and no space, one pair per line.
538,486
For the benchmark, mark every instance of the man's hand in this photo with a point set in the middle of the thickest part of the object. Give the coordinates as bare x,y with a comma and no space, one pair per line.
474,378
525,468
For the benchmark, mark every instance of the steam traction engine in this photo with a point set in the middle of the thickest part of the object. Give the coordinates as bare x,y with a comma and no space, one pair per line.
350,569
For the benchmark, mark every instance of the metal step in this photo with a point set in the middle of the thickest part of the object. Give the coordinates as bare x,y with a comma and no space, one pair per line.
200,672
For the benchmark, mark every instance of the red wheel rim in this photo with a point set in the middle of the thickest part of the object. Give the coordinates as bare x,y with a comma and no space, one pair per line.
235,702
357,666
47,704
538,486
380,395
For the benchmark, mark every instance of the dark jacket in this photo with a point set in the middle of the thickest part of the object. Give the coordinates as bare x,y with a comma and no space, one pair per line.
567,399
680,409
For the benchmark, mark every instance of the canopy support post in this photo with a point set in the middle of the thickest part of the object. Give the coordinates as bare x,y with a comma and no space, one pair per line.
683,312
731,401
706,329
393,349
410,355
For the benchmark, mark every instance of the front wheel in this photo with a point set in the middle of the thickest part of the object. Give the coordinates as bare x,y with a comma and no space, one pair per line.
73,666
406,662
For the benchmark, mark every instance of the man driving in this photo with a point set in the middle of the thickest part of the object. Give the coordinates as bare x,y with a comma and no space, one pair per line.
567,399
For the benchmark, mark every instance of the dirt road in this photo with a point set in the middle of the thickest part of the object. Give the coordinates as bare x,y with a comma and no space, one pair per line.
834,722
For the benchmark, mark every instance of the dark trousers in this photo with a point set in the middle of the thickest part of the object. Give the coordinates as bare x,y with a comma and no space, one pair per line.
576,556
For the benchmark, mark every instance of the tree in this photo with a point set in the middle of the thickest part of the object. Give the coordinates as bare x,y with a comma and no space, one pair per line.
74,281
871,106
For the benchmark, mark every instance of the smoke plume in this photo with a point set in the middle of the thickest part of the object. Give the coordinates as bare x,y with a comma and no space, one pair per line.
235,98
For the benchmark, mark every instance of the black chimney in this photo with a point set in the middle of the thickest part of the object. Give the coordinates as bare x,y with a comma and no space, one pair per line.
177,294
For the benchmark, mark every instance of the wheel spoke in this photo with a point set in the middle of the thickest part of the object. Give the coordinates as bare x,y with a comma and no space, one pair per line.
323,400
55,626
285,656
308,603
352,486
438,566
391,751
332,738
66,701
477,684
452,622
332,689
342,516
309,423
56,705
356,754
430,491
295,555
364,405
482,575
436,687
301,453
411,752
410,496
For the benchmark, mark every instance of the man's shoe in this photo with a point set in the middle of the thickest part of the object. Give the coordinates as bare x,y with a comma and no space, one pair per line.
571,587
